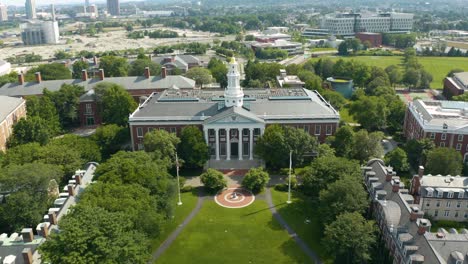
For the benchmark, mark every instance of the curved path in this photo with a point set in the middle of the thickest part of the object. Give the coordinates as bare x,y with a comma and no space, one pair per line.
312,255
165,245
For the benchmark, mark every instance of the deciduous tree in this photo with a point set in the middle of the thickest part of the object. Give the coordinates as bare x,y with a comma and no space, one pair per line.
200,75
193,148
255,179
115,103
114,66
444,161
213,180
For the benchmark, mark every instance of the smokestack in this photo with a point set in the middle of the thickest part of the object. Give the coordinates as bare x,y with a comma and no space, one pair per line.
163,72
21,79
395,185
84,75
78,179
101,74
27,234
147,72
71,190
95,59
38,77
27,256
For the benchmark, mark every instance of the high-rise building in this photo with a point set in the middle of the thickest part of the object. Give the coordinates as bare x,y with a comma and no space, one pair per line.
3,12
86,3
113,7
30,9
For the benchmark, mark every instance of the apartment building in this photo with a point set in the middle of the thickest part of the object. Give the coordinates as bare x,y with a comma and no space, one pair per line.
455,85
11,111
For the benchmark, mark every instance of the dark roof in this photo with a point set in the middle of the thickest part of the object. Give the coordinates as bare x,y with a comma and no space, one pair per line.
266,104
130,83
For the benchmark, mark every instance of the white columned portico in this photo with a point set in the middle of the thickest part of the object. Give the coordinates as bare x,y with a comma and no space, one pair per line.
240,142
251,130
217,143
205,131
228,144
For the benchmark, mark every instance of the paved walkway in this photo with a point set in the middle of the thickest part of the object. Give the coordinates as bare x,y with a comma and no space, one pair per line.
165,245
312,255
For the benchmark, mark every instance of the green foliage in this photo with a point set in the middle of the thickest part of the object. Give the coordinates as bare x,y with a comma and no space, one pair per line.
255,179
87,148
370,112
114,66
350,238
345,195
218,71
444,161
110,138
262,72
324,171
66,101
336,99
213,180
133,200
417,151
367,146
271,54
200,75
161,144
32,129
398,159
276,143
462,97
66,158
43,107
193,148
51,71
21,154
62,55
135,168
137,68
8,78
343,141
400,41
115,103
94,235
78,68
29,185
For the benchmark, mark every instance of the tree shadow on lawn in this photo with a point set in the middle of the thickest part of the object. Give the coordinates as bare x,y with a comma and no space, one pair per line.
261,210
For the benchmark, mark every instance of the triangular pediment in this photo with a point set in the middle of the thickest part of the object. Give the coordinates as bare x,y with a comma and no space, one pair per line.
234,115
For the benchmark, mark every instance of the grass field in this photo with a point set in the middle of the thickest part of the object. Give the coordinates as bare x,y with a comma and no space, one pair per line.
189,200
437,66
222,235
296,215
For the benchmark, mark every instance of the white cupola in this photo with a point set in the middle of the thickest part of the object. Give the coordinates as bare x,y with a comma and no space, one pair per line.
233,94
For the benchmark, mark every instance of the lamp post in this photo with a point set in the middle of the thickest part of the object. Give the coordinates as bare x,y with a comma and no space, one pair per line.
289,185
178,182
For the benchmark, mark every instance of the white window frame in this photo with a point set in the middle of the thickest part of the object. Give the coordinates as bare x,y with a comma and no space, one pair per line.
173,130
460,137
328,130
448,204
461,194
440,193
437,203
89,108
436,213
450,194
432,136
459,204
459,146
430,193
442,144
443,136
139,132
319,130
447,213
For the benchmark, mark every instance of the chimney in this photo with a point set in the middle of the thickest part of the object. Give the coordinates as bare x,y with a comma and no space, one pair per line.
389,175
27,234
95,60
38,77
173,58
101,74
84,75
424,226
147,72
53,218
420,172
78,179
45,230
71,190
163,72
21,79
415,213
395,185
27,256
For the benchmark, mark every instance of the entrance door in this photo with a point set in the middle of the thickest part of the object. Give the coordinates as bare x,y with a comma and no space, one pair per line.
234,149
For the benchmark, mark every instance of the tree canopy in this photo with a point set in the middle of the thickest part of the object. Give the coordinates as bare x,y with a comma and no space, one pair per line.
200,75
193,148
161,144
213,180
255,179
114,66
115,103
445,161
137,68
50,71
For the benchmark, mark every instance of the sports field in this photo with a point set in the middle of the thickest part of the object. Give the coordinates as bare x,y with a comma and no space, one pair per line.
437,66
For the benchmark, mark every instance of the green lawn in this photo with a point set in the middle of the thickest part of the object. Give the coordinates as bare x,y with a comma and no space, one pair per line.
222,235
437,66
189,200
296,214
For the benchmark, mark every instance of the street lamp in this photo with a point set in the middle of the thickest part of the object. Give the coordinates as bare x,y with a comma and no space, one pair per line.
178,182
289,185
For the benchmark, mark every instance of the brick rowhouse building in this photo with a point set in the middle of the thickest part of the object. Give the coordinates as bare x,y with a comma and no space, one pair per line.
234,118
444,122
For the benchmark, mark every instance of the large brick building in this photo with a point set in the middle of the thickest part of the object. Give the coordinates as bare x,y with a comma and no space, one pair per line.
233,119
11,110
445,122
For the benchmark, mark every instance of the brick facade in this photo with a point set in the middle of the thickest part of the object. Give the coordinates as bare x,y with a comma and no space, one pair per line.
6,125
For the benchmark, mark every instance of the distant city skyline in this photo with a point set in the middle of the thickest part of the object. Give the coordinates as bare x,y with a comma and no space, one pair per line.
57,2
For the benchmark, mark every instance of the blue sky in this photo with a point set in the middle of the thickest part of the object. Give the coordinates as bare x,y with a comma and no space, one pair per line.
48,2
